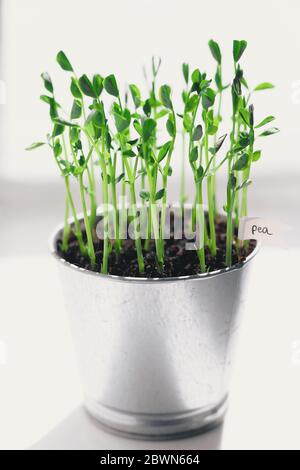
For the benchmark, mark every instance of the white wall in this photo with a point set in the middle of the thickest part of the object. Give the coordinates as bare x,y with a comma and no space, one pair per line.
119,36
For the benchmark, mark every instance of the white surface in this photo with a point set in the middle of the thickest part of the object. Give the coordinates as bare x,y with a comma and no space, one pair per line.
40,390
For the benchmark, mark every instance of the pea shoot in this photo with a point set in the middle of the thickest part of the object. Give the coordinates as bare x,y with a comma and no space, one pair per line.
123,144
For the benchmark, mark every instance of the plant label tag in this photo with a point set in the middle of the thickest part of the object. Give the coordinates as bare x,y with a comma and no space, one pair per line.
258,228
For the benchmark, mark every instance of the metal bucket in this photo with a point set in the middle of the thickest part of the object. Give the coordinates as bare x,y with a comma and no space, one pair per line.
154,355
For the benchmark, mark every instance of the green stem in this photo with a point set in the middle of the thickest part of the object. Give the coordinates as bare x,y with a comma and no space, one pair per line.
155,224
114,202
214,178
210,195
77,231
90,245
182,174
67,230
163,216
154,216
229,232
138,243
131,177
104,265
93,206
246,175
200,225
149,228
164,200
229,226
237,175
123,209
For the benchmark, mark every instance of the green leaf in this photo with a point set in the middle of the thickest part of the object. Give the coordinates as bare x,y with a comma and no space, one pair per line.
75,90
35,145
64,122
251,115
171,127
160,194
147,108
218,145
163,151
165,96
53,110
86,86
185,71
197,133
218,79
122,121
256,155
194,154
145,195
64,62
244,113
128,153
265,121
76,109
241,163
133,142
136,95
47,81
148,129
238,49
244,184
231,181
120,177
81,160
161,113
244,82
264,86
96,118
74,135
97,84
199,174
184,96
271,131
208,98
215,50
57,149
187,122
212,128
204,84
137,127
243,141
47,99
110,85
191,104
196,76
58,129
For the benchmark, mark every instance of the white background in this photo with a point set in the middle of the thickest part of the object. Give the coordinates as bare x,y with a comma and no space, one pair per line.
121,36
38,382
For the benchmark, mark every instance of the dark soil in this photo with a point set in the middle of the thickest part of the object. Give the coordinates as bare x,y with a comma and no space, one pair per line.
178,260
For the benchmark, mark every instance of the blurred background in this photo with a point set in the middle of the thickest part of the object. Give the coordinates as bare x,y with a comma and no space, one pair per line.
120,37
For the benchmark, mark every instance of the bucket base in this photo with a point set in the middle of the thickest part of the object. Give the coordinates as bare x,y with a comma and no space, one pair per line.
157,426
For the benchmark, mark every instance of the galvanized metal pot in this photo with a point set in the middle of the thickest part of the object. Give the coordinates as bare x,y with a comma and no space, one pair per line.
154,354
